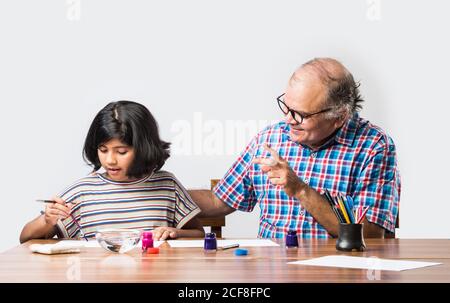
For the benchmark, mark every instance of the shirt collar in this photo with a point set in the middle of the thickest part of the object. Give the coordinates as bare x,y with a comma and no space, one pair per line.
346,134
133,182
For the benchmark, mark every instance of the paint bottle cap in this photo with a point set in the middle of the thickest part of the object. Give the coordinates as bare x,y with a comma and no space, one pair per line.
241,252
153,250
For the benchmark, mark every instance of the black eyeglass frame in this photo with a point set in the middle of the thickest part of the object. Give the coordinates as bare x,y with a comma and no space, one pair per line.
294,112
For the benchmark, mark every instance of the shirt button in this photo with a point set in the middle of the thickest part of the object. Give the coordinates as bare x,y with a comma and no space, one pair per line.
313,155
306,181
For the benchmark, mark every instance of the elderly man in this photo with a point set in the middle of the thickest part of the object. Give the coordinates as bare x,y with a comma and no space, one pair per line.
322,144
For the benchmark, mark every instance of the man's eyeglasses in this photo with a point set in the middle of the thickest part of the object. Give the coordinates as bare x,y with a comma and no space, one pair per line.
298,117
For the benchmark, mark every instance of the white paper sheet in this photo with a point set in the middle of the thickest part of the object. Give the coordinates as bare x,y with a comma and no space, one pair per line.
364,263
191,243
95,244
220,243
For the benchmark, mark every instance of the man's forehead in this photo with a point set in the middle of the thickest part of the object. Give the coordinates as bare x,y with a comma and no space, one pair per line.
305,93
325,68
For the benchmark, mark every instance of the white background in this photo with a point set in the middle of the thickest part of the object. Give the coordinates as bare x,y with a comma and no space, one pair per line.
219,60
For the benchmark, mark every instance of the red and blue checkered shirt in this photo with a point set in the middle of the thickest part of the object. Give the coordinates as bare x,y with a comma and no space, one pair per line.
359,161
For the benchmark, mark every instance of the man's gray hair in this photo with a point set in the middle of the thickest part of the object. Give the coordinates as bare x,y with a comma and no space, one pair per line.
343,90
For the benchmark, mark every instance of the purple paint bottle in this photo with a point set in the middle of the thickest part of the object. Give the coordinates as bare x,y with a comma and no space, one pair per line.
291,239
210,244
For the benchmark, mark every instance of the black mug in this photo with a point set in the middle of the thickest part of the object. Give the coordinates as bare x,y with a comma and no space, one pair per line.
350,237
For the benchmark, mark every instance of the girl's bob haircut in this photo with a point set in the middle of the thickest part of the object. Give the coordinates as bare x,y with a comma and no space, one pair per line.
134,125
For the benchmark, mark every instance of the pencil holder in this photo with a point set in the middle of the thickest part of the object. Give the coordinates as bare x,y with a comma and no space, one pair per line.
350,237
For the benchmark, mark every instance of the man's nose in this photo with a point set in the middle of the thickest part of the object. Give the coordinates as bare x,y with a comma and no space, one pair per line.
289,119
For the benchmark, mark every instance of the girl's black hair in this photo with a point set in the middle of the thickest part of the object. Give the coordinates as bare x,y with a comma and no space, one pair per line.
134,125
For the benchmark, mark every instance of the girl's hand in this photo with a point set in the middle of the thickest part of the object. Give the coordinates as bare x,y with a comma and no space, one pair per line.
162,233
56,211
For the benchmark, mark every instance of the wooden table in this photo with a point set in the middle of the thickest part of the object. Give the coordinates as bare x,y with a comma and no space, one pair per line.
263,264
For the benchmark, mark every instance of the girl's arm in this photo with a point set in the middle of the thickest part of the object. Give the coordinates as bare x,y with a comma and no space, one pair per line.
192,229
37,229
44,226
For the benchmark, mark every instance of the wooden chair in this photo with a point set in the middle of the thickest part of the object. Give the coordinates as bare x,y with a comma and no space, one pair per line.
392,235
216,223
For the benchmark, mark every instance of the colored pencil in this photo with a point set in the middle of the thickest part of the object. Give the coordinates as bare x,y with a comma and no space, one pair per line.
344,211
333,206
363,215
348,208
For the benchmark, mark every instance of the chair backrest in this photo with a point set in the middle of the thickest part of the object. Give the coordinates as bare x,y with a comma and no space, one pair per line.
392,235
216,223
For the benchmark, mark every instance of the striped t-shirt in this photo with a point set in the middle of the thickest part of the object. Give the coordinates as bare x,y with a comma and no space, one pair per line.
144,204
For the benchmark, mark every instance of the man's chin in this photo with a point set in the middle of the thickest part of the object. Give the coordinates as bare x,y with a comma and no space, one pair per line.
296,137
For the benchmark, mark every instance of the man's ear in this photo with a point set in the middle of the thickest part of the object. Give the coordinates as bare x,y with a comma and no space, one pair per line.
344,115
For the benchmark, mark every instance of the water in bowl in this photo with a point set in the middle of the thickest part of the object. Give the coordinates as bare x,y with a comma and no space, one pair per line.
120,241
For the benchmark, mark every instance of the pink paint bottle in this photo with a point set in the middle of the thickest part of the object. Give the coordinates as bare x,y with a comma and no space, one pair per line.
147,240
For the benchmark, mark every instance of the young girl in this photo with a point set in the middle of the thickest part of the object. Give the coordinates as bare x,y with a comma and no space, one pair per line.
131,193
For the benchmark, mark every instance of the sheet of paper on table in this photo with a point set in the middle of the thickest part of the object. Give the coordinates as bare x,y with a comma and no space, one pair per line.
94,243
220,243
191,243
364,263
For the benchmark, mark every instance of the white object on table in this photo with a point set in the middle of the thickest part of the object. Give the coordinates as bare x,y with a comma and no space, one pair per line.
62,247
95,244
220,243
364,263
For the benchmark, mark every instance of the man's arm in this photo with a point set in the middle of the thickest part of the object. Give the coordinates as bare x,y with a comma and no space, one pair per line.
319,208
192,229
210,205
280,174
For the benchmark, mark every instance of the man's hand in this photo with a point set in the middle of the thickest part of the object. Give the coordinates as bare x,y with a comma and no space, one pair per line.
163,233
280,173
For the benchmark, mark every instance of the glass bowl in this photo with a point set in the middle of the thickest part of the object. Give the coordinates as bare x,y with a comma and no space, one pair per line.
118,240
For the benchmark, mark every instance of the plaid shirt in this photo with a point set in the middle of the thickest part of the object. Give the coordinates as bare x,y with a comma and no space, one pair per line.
359,161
